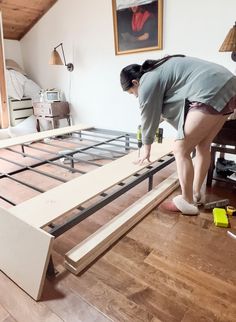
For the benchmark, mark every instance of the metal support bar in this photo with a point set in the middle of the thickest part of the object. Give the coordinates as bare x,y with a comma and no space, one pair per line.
150,183
127,143
51,271
50,161
69,155
72,140
34,170
79,150
22,148
8,201
74,220
22,182
112,144
104,133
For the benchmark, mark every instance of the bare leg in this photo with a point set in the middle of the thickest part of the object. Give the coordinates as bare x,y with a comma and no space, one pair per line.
203,158
185,171
200,129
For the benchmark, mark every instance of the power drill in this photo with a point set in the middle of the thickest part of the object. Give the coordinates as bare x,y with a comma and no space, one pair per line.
139,139
158,136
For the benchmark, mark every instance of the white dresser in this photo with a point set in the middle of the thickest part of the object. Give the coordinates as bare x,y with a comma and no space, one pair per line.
20,110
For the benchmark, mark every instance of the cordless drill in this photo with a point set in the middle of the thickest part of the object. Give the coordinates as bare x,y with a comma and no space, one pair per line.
139,139
158,137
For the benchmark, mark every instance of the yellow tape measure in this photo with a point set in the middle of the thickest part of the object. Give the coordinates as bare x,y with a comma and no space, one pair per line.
231,210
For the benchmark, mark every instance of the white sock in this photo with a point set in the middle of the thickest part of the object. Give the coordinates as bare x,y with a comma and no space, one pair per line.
185,207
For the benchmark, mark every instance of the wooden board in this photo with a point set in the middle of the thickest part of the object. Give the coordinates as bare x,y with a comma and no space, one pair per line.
24,253
46,207
41,135
87,251
4,115
21,15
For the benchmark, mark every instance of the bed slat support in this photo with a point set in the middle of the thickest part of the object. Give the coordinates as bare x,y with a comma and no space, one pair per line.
87,251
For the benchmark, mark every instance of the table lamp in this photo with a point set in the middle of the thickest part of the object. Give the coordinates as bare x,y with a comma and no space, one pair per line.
229,43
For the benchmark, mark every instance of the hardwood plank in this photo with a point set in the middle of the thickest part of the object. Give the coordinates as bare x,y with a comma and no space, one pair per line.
43,209
22,307
19,245
138,291
131,258
106,299
73,307
216,294
196,316
84,253
210,248
41,135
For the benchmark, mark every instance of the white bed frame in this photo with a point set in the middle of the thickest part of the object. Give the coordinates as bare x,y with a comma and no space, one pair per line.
33,245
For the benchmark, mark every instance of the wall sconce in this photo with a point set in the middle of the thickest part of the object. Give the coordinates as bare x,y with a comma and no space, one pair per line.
56,58
229,43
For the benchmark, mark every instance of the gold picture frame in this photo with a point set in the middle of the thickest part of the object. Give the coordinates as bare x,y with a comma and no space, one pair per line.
138,25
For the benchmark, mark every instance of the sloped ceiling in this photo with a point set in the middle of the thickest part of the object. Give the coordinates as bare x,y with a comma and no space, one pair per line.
19,16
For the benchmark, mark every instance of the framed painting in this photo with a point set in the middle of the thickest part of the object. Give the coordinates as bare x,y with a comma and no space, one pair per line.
138,25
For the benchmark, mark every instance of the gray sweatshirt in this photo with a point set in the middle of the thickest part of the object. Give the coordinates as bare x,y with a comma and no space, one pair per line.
163,92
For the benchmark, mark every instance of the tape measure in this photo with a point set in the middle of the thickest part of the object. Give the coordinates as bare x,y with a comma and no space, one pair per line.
231,210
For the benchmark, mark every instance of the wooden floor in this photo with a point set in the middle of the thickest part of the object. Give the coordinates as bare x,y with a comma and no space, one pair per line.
169,268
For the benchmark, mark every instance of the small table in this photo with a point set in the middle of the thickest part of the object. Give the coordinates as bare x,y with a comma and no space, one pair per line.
52,112
224,142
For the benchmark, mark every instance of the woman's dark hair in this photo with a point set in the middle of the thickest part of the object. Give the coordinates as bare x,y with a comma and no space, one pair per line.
135,71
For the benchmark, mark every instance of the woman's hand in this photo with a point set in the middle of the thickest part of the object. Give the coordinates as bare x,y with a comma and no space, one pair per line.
145,156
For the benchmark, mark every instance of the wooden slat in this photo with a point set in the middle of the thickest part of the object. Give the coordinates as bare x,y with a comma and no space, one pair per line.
4,115
24,253
87,251
46,207
41,135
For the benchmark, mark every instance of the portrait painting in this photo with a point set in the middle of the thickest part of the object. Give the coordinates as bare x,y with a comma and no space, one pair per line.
137,25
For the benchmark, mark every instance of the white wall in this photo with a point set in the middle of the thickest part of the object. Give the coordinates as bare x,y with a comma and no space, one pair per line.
13,51
85,27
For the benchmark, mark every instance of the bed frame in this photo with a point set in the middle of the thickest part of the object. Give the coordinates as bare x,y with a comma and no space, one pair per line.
34,221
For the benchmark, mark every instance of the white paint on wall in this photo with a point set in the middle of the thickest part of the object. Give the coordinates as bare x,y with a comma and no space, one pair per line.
13,51
85,27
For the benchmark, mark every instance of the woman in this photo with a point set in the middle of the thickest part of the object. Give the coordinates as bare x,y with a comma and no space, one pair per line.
142,24
142,28
193,95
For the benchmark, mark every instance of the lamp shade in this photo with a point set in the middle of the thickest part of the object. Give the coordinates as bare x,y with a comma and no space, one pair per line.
55,58
229,43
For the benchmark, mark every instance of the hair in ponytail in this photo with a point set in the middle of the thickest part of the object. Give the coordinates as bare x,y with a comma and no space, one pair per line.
129,73
135,71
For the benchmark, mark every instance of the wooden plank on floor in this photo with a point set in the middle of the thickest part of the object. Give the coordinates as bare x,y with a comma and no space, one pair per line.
46,207
24,253
42,135
21,307
87,251
3,314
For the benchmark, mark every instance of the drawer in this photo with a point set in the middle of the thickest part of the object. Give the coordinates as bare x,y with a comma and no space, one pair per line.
24,103
21,113
18,116
51,109
42,110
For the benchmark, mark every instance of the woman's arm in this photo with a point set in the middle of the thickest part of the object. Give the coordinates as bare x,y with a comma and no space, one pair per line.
146,154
